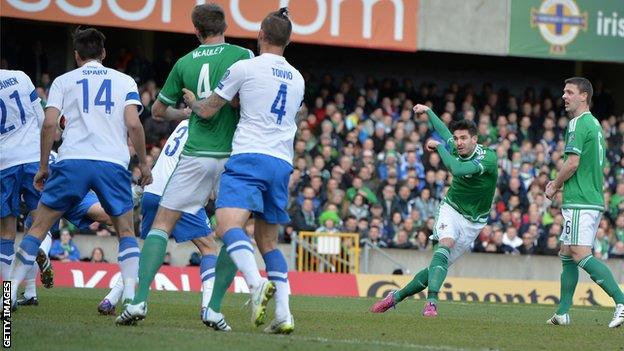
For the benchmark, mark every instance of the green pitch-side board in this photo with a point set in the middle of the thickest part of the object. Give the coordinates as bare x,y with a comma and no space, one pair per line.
590,30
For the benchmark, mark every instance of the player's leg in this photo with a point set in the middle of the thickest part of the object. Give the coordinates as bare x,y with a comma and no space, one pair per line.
57,197
185,192
447,230
275,199
569,273
155,249
238,245
208,249
226,271
416,285
29,297
27,252
96,213
112,185
277,272
7,245
128,255
240,193
109,302
9,210
583,236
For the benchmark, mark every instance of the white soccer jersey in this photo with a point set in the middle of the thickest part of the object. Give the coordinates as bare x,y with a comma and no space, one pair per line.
21,117
168,159
271,92
93,98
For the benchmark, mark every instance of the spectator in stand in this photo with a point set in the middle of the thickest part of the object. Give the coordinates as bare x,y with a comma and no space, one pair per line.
422,241
358,208
64,249
305,218
425,204
97,255
330,221
511,239
551,248
528,246
401,241
374,235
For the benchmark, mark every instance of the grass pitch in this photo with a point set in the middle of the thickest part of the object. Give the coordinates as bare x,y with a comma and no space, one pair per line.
67,319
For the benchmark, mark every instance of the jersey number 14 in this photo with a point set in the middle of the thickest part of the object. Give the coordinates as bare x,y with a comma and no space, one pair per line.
102,98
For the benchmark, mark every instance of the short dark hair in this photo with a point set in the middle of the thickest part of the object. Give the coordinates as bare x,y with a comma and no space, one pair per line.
209,20
89,43
464,124
277,27
583,85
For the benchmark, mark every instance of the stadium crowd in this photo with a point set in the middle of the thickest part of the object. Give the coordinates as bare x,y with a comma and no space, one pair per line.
360,164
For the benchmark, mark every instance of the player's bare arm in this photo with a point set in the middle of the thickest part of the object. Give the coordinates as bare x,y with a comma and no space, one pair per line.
48,132
567,171
137,136
168,113
205,108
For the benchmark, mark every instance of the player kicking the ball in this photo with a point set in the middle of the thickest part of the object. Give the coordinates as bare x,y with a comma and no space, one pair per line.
463,212
582,178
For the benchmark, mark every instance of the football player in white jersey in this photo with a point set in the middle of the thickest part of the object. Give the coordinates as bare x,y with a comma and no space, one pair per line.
256,175
193,227
100,108
21,116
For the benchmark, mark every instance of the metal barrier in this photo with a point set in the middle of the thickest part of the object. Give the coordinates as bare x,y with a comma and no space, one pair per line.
368,245
328,252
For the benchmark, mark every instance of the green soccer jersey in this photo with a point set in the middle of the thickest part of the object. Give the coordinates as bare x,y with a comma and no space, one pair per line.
474,177
200,71
584,189
472,194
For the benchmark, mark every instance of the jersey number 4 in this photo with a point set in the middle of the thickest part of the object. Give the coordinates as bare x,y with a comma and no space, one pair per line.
279,104
203,84
104,92
18,102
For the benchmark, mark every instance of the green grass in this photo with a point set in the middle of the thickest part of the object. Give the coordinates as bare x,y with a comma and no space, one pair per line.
66,319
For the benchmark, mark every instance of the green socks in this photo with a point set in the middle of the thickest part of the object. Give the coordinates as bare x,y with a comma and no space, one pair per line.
226,271
437,272
601,274
418,284
569,278
152,257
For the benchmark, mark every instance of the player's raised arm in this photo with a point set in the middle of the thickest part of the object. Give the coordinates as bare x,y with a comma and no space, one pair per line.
435,121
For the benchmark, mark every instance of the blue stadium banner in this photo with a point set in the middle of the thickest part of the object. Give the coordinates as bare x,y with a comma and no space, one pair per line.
591,30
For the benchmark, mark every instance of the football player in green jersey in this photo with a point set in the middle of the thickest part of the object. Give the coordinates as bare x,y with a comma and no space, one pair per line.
199,168
582,179
462,214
